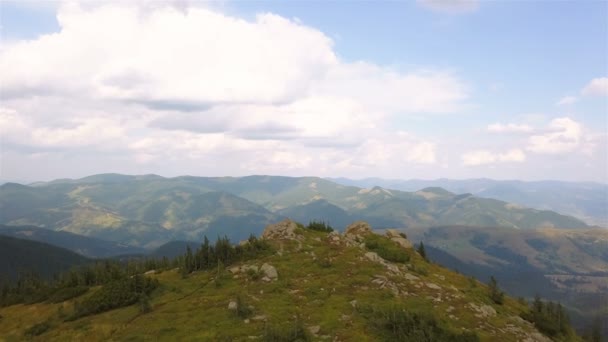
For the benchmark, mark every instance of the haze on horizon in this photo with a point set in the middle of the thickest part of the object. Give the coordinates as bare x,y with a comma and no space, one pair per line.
436,89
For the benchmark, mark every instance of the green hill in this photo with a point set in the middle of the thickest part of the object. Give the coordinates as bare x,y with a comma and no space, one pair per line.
19,255
299,285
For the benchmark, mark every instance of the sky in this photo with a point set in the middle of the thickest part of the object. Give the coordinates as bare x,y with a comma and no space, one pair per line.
402,89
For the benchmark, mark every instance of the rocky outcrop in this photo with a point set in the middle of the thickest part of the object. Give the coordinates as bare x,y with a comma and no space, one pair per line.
396,236
283,230
359,228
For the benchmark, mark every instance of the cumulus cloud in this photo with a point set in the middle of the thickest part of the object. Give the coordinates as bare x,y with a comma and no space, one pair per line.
450,6
563,135
567,100
509,128
596,87
190,83
483,157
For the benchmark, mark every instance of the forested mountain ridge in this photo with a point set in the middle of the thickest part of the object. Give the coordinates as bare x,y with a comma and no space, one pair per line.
150,210
585,200
19,256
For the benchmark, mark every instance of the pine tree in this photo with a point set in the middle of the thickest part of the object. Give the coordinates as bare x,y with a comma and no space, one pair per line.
422,251
496,294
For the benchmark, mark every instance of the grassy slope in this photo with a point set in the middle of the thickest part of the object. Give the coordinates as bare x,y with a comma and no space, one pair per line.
318,293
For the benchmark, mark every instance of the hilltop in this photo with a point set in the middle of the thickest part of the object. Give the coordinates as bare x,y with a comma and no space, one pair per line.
303,284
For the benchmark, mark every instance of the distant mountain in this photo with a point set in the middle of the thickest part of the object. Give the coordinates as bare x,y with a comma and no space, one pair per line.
19,255
86,246
147,211
585,200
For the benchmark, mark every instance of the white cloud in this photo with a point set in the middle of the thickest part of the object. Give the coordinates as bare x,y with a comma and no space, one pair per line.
596,87
509,128
190,83
567,100
195,58
483,157
562,136
450,6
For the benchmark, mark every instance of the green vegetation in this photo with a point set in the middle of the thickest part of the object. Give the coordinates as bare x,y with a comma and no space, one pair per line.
386,249
294,332
549,318
396,323
116,294
420,249
320,226
496,295
222,297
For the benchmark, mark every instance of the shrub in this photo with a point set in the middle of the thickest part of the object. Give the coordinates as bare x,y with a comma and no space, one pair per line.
387,249
242,310
37,329
114,295
496,295
395,323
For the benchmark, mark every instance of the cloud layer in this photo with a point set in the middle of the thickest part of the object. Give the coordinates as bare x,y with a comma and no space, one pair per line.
154,87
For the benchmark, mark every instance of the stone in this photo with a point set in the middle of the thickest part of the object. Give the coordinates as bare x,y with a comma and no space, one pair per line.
433,286
353,303
391,233
359,228
314,329
482,311
270,271
373,256
232,305
405,243
283,230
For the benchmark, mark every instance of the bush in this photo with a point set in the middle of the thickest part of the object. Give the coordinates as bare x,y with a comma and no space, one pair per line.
242,310
114,295
37,329
496,295
387,249
395,323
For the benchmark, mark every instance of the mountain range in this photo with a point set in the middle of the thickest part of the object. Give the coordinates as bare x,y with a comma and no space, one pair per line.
150,210
587,201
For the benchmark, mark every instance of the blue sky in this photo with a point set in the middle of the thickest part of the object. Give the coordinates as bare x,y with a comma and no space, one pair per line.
418,89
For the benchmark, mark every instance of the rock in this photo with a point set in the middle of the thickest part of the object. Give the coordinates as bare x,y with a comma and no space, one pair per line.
433,286
374,257
150,272
282,230
482,311
405,243
359,228
391,233
353,303
232,305
269,271
314,329
259,318
411,277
